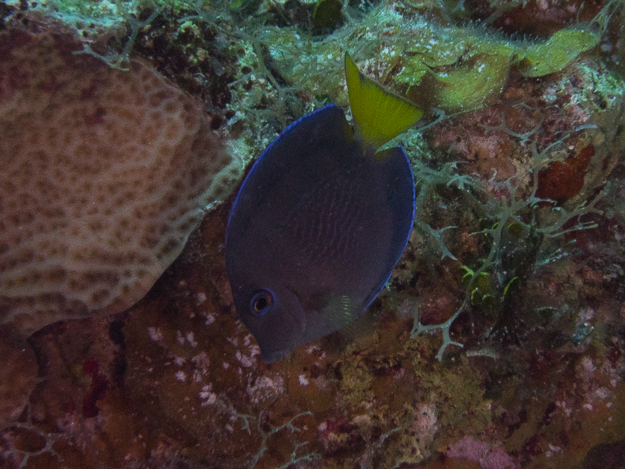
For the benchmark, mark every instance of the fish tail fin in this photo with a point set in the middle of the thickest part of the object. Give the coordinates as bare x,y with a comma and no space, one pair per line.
379,115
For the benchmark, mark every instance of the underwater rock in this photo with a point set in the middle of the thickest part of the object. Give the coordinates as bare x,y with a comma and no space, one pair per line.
104,175
18,375
582,108
177,381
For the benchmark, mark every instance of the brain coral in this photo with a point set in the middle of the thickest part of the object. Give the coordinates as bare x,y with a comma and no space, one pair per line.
103,175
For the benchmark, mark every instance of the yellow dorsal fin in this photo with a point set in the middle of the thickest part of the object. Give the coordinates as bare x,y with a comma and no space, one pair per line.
379,115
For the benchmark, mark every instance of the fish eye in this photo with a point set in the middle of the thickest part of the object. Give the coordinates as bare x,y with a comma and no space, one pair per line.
261,303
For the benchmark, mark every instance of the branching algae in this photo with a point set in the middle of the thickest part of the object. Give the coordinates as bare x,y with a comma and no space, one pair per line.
516,226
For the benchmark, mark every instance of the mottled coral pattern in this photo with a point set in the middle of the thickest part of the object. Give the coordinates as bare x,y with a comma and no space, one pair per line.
104,175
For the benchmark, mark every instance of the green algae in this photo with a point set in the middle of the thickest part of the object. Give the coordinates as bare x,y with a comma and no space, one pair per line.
407,53
476,82
562,48
454,68
472,72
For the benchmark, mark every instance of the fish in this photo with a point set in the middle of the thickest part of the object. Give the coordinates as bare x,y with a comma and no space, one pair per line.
321,219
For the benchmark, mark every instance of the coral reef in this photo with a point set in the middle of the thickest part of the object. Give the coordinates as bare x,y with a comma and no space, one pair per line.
516,253
104,176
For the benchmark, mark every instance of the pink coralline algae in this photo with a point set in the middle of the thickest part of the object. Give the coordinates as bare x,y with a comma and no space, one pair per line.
489,457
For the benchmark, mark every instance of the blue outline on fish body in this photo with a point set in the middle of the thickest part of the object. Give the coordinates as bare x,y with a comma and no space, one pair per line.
321,220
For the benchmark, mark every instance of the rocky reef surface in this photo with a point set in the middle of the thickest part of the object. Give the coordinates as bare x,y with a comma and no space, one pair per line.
499,341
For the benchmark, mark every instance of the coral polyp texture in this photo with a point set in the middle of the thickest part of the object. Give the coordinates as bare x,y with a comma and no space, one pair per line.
104,175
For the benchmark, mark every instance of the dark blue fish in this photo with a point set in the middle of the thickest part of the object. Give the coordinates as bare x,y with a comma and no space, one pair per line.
317,227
